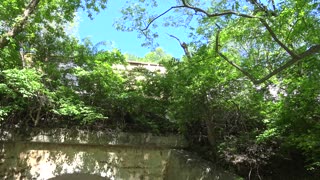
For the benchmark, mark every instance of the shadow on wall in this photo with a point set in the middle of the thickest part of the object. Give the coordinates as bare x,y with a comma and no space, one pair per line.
65,154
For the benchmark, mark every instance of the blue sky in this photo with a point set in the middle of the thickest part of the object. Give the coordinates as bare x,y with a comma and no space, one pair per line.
101,29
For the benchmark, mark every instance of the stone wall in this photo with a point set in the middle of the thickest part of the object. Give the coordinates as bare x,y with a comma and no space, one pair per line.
69,154
109,138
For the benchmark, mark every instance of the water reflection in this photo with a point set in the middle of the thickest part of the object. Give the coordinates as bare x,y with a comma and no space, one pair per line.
23,160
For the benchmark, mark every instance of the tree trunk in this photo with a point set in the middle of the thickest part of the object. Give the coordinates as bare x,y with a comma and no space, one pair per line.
18,26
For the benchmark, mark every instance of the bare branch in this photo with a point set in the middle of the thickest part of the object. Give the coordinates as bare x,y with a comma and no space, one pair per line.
218,38
225,12
273,5
196,9
259,6
239,68
296,58
183,45
149,23
18,27
229,61
274,36
313,50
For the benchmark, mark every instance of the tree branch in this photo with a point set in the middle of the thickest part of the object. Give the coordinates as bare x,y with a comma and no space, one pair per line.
261,7
230,62
225,12
273,5
196,9
149,23
313,50
183,45
239,68
296,58
18,27
274,36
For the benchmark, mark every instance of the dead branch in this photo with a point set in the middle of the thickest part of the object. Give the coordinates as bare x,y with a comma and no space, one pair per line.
183,45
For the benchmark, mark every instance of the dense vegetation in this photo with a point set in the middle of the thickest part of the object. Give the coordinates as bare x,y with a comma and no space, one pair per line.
246,94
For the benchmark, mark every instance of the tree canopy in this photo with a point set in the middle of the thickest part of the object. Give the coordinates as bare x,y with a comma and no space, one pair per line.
263,37
246,94
156,56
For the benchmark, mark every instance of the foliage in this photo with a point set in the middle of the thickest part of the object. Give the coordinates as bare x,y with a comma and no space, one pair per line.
260,39
27,25
78,111
156,56
144,95
295,118
272,44
248,92
24,95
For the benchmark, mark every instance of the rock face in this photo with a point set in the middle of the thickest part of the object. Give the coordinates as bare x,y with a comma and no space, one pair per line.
74,154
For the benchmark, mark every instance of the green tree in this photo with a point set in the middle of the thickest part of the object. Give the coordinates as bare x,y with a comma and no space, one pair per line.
23,22
157,56
270,44
260,35
32,96
24,96
33,36
132,57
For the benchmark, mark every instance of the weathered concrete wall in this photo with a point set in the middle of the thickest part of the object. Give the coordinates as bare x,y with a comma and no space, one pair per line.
133,64
43,154
67,136
68,154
